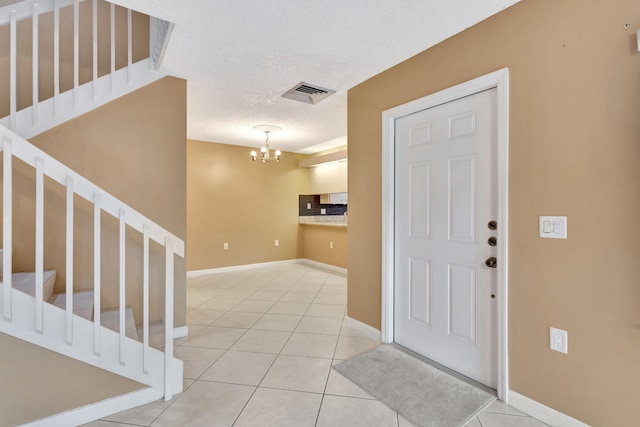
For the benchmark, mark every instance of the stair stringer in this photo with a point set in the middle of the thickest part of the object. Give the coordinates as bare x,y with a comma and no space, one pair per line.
23,326
54,111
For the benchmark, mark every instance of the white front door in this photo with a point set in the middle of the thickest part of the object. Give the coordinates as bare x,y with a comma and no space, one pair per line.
446,196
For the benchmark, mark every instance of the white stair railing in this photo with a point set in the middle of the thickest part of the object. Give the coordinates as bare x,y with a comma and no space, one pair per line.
42,115
12,146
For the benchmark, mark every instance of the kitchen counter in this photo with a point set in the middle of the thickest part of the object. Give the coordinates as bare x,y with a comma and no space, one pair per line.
324,220
325,224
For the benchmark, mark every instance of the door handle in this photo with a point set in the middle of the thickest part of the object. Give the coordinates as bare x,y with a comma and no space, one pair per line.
491,262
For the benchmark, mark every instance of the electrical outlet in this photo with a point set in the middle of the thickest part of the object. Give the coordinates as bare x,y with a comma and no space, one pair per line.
558,340
225,246
330,245
308,206
277,242
323,211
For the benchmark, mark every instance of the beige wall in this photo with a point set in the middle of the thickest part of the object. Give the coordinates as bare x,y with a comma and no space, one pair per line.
317,244
574,132
246,204
35,383
140,28
134,148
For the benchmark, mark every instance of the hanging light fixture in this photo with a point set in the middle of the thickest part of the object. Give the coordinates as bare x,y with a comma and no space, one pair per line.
265,152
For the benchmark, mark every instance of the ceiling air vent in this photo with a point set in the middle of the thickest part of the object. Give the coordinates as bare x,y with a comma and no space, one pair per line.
309,94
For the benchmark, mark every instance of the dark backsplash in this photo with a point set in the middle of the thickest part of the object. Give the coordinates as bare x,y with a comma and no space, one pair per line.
314,199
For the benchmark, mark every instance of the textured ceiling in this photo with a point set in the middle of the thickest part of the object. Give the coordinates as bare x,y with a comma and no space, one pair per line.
240,56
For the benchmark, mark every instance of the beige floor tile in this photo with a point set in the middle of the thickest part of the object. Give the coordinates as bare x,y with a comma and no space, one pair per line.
196,297
215,337
339,411
235,294
311,345
299,297
239,367
101,423
473,422
499,407
193,330
237,319
285,307
488,419
280,408
266,296
206,404
253,306
262,341
319,325
220,304
351,329
337,299
298,287
335,311
352,346
277,322
280,287
298,373
196,360
340,386
142,415
203,317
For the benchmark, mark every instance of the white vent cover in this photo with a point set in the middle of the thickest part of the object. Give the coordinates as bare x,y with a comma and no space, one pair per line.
307,93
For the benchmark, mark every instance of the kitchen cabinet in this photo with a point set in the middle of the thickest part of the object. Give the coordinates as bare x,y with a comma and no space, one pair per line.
334,199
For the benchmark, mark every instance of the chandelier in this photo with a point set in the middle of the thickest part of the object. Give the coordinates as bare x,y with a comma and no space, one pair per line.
265,152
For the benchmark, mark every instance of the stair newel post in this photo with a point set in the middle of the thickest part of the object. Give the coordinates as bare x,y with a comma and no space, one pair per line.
69,260
145,301
13,64
7,226
39,245
122,291
168,321
96,272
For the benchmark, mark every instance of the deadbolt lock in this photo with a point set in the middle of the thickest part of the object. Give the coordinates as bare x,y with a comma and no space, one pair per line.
492,241
492,225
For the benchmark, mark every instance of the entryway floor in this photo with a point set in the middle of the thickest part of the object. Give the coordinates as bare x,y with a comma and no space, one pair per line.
259,353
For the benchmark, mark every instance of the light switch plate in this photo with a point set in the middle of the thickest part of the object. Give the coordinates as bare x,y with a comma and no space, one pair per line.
553,227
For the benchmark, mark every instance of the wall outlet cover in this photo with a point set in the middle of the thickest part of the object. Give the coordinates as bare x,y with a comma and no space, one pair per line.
558,340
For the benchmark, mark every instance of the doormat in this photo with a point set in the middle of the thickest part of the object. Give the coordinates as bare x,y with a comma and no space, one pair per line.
423,394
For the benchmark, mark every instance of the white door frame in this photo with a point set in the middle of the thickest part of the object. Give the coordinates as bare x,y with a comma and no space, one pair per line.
500,80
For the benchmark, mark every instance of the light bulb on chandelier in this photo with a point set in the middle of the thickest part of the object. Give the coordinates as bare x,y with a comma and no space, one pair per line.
265,152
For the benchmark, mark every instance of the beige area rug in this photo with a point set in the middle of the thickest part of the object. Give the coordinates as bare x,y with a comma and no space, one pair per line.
423,394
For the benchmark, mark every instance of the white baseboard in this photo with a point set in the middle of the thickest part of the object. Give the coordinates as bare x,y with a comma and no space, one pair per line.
180,332
95,411
368,331
541,412
322,265
196,273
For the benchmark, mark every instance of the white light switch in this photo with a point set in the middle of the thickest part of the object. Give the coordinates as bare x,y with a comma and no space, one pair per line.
553,227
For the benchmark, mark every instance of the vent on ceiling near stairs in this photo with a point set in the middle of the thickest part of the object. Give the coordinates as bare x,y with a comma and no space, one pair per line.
309,94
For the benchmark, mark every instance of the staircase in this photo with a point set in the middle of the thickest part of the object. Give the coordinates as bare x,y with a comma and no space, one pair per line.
78,323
